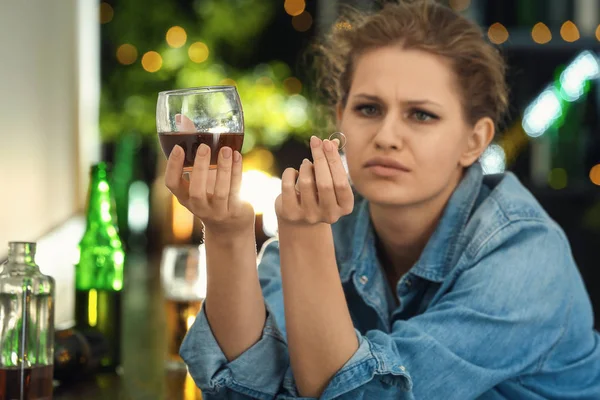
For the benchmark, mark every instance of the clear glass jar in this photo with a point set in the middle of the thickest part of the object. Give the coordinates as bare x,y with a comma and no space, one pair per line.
26,326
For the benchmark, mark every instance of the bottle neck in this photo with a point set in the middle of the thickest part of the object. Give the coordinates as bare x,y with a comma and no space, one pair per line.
99,210
21,255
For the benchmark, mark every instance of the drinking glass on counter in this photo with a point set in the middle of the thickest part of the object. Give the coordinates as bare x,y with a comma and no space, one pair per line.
183,277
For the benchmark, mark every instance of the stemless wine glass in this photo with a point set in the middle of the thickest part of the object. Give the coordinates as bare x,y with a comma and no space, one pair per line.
189,117
183,278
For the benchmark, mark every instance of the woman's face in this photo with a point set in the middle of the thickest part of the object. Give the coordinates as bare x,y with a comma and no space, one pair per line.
407,140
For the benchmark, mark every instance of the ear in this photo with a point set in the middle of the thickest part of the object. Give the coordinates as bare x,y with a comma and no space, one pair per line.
479,139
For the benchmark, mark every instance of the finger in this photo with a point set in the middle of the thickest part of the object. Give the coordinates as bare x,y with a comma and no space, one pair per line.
323,178
341,185
236,179
184,124
198,177
220,198
289,197
308,190
173,175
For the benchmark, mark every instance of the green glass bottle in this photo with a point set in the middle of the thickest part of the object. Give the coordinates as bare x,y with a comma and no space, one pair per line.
99,271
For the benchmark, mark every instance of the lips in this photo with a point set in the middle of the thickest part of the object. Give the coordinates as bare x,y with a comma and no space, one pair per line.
386,162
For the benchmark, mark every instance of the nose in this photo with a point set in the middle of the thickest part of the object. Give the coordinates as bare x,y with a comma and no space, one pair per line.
388,136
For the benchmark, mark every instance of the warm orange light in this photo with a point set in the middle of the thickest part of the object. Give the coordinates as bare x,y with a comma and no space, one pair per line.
569,32
127,54
176,37
198,52
228,82
151,61
292,85
595,174
106,13
541,33
498,33
294,7
598,33
302,22
460,5
182,221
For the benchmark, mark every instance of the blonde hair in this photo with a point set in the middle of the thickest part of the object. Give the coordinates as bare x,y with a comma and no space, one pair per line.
420,25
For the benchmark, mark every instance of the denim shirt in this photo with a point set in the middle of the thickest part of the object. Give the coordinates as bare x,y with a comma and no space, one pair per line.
495,308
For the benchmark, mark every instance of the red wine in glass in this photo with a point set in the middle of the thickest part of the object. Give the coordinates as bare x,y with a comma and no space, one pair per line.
190,141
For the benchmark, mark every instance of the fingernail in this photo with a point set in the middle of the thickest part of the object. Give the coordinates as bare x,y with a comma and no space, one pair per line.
226,152
203,150
327,145
306,161
337,143
314,142
177,151
237,156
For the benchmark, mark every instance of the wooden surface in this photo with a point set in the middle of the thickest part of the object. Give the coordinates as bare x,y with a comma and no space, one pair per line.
143,374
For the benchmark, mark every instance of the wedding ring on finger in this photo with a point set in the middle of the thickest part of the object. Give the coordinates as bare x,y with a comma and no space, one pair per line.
341,138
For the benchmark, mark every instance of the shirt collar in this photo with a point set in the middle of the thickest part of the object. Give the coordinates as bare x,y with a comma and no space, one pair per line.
437,258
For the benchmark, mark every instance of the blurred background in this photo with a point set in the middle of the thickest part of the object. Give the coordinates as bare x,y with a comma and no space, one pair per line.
79,82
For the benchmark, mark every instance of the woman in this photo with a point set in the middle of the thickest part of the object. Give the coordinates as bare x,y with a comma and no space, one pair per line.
430,281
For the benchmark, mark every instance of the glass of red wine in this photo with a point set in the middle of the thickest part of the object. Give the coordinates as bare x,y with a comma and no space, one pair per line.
211,115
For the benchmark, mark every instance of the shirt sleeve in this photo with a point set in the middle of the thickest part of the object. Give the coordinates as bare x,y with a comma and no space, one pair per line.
501,319
259,371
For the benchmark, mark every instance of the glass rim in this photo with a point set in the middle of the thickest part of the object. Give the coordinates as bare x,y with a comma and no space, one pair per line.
197,90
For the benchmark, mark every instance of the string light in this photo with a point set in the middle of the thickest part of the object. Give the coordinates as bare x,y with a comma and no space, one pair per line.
176,37
198,52
497,33
541,33
106,13
127,54
292,85
595,174
557,178
302,22
569,32
294,7
151,61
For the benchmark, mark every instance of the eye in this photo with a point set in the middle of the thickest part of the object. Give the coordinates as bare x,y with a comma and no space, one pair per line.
368,110
423,116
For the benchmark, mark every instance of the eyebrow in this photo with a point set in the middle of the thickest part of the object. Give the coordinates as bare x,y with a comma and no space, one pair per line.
418,102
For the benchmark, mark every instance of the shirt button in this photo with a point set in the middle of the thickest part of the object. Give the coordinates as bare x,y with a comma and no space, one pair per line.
408,283
401,368
364,279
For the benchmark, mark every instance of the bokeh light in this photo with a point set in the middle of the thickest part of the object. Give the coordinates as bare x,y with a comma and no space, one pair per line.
493,159
151,61
292,85
228,82
127,54
176,37
598,33
460,5
302,22
569,32
541,33
595,174
497,33
557,178
106,13
294,7
198,52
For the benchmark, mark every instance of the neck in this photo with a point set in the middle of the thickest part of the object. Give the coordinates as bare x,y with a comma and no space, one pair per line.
21,254
403,231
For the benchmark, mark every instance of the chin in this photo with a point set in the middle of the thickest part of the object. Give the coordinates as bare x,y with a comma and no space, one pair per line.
389,194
